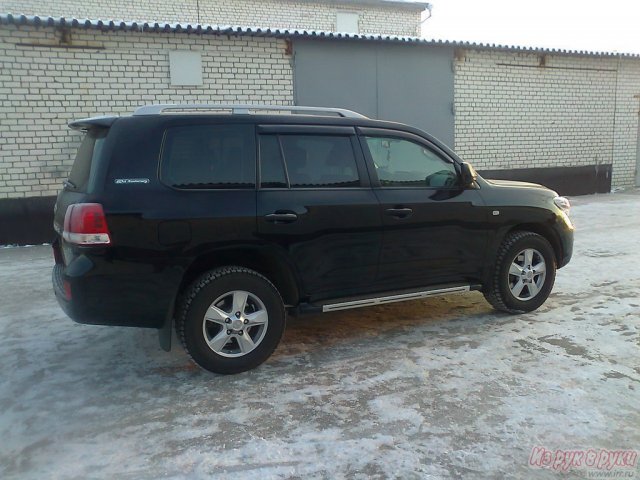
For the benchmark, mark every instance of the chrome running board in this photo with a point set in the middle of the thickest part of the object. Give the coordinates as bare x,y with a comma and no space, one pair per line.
368,302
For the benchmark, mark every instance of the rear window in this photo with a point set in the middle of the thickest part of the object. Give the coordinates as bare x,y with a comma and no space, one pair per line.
90,149
209,157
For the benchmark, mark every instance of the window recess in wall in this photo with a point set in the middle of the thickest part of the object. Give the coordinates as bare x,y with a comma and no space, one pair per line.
347,22
185,68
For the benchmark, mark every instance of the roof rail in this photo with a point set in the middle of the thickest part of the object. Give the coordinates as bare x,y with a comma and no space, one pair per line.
238,109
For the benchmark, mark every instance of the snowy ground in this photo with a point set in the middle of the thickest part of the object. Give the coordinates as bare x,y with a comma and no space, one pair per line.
440,388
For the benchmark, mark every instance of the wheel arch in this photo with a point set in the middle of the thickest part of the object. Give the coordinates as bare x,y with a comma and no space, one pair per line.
272,265
544,231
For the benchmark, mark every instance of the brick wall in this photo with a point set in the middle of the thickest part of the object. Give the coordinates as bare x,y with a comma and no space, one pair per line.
627,112
318,15
44,88
523,110
511,111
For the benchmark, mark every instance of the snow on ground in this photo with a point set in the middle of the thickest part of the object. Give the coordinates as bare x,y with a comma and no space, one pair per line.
437,388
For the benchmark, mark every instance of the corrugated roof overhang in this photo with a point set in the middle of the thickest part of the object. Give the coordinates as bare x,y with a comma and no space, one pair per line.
198,29
392,3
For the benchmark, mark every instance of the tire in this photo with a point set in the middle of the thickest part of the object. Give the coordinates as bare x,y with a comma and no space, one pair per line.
513,286
225,342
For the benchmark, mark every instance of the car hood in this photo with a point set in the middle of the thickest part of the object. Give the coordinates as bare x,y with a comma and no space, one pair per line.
515,183
522,187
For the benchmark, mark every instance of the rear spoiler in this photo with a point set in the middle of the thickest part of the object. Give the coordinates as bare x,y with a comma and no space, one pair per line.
93,122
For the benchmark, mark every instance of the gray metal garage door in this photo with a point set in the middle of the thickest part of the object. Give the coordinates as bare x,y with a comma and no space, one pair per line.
400,82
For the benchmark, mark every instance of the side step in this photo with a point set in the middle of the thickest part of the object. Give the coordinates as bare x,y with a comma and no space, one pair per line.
402,296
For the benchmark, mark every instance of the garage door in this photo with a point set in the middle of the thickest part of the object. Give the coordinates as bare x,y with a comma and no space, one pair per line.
405,83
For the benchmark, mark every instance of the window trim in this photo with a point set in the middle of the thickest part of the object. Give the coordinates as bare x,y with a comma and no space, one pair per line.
384,132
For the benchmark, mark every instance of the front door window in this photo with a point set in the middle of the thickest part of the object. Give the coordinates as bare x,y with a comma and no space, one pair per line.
403,163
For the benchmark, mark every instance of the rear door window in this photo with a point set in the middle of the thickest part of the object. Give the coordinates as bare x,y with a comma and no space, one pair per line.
314,161
310,161
209,157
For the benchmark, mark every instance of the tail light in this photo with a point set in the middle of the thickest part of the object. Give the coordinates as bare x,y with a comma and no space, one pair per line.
86,224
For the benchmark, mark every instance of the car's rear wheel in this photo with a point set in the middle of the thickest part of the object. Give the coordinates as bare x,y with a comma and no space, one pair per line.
230,320
523,274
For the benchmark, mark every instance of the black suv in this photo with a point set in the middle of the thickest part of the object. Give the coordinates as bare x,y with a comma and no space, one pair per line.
225,218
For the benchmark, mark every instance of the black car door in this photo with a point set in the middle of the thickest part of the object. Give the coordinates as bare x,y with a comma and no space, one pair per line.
316,205
434,229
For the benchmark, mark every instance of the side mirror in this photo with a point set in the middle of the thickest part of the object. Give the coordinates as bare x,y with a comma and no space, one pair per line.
468,174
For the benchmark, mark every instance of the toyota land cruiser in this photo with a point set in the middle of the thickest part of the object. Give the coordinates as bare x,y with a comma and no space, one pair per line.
223,219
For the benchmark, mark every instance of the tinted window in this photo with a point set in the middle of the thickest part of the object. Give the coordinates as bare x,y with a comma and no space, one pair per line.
209,156
90,148
320,161
271,166
401,162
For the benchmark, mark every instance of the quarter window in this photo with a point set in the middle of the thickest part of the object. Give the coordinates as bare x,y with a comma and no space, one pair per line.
403,163
90,149
209,157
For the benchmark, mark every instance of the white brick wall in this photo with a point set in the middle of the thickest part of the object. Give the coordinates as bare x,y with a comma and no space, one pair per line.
626,123
510,111
575,110
44,88
318,15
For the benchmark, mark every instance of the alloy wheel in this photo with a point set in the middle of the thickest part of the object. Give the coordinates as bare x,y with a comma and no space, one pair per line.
527,274
235,323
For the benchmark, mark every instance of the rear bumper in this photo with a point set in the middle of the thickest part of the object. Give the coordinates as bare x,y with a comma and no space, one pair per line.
130,300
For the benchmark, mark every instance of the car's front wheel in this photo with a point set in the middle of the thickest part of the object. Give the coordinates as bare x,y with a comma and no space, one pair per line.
230,320
523,274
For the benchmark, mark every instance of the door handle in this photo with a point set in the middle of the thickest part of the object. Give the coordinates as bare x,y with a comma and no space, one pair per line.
281,217
399,212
